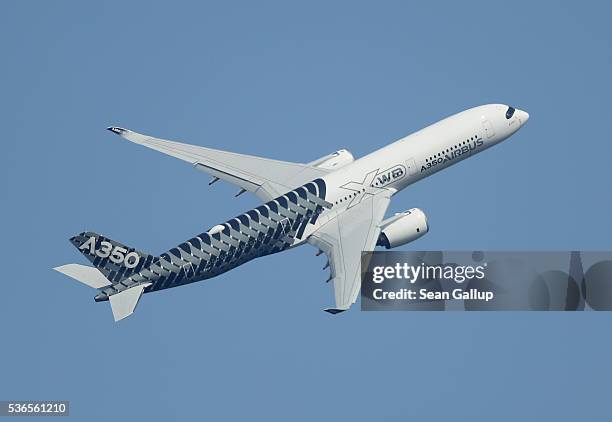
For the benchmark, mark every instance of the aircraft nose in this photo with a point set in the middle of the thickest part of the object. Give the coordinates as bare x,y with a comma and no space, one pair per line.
523,116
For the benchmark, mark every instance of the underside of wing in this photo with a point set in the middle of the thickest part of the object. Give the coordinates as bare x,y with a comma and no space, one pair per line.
265,177
344,238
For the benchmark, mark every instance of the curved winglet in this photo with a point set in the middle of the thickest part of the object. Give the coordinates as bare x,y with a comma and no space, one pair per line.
334,311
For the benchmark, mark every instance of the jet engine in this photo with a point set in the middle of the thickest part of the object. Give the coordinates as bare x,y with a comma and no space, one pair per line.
402,228
333,161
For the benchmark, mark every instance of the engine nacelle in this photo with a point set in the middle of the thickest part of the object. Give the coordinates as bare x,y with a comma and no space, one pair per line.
333,161
402,228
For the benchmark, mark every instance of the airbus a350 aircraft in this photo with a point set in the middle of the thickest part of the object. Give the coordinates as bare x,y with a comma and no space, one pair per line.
335,203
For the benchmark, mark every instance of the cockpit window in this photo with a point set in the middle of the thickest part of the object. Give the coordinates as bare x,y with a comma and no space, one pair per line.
509,112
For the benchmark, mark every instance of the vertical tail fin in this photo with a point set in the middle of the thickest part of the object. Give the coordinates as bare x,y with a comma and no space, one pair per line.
115,260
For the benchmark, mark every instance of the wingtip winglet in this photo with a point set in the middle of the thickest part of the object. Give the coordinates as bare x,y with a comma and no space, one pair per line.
334,311
118,130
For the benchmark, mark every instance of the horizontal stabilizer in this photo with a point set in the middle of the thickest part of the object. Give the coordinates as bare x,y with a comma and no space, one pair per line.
124,303
85,274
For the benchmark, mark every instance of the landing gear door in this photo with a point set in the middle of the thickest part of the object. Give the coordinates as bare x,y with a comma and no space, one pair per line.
488,129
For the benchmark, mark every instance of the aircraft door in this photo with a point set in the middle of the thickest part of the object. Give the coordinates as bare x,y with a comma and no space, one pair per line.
411,166
488,129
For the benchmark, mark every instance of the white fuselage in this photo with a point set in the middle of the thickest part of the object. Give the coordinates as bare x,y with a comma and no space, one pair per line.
417,156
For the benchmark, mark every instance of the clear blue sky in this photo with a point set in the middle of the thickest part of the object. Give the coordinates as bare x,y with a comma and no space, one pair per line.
294,82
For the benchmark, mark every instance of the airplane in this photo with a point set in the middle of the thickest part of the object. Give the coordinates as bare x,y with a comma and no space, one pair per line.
336,203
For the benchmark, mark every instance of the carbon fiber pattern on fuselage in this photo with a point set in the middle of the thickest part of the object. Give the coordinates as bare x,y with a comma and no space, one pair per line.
267,229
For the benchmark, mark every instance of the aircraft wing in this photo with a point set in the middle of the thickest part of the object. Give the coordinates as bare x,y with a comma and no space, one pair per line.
343,239
265,177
